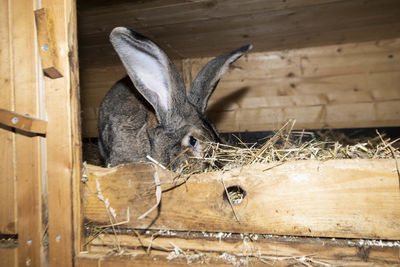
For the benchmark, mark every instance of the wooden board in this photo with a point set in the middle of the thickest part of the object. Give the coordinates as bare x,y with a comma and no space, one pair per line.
337,86
47,45
340,86
28,156
335,198
22,122
337,252
8,214
138,258
198,28
8,256
63,140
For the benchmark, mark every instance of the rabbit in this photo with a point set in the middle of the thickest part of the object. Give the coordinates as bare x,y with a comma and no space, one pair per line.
149,112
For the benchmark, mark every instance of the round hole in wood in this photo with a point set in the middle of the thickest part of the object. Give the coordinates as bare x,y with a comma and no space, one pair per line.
235,193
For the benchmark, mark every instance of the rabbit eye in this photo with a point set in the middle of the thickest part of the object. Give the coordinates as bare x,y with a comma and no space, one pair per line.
192,141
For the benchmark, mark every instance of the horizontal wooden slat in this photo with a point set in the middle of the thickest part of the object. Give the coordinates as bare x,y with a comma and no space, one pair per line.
348,115
335,198
22,122
337,252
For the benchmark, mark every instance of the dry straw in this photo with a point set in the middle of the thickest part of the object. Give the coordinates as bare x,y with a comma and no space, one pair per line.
287,144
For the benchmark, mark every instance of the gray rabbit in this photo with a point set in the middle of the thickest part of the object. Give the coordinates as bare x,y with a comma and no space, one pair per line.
150,112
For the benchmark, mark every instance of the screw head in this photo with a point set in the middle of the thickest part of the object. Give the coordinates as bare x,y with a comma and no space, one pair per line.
14,120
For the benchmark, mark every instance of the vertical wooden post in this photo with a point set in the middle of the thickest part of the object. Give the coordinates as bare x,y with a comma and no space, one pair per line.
8,211
63,139
28,148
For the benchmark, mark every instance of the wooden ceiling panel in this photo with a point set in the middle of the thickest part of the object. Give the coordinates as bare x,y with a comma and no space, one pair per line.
201,28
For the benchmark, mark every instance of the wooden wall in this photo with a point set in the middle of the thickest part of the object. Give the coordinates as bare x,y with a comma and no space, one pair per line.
22,168
327,63
335,86
38,163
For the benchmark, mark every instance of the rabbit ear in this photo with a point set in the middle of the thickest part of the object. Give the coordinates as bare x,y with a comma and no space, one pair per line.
209,76
151,71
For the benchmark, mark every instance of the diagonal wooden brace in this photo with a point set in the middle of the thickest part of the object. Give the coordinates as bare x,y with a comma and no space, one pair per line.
47,43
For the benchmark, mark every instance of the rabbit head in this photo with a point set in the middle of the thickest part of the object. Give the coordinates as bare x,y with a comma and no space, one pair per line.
181,123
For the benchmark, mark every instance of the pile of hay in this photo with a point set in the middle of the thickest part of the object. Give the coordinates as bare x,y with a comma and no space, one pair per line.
287,144
284,145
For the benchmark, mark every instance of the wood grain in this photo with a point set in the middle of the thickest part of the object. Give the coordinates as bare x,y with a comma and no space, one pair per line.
63,144
335,198
47,44
8,210
28,148
22,122
336,252
8,256
199,29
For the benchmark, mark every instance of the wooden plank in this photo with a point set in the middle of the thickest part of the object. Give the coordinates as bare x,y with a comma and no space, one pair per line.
8,210
347,115
28,152
9,256
201,30
335,198
140,259
76,131
47,44
336,252
158,13
22,122
63,141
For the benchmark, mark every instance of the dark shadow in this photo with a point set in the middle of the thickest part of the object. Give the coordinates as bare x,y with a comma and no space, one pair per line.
21,132
222,104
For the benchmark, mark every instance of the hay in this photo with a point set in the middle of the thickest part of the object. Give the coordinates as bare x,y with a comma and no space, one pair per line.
284,145
287,144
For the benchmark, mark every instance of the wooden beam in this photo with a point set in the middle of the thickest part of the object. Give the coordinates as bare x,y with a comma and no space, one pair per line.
63,140
337,252
335,198
22,122
47,43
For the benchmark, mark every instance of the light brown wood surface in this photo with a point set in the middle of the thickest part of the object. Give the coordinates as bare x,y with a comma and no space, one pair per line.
47,45
63,140
25,81
338,86
8,257
335,198
22,122
330,251
8,215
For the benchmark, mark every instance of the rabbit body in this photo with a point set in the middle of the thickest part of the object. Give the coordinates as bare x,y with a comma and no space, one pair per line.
129,130
150,113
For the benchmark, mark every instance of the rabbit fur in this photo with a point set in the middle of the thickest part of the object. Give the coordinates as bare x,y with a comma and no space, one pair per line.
149,112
